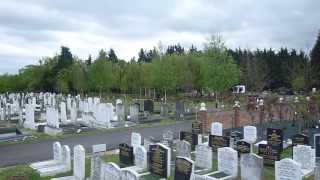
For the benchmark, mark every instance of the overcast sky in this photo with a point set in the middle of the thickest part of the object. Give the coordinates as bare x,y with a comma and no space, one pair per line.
31,29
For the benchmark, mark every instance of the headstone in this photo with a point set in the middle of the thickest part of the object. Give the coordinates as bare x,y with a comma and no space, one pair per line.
79,158
97,151
275,137
216,129
184,168
317,144
269,153
168,137
300,139
120,111
243,147
128,174
250,134
134,112
304,155
228,161
140,157
147,143
126,157
135,140
196,127
63,112
159,162
110,171
148,106
180,109
287,169
29,122
57,152
251,167
183,149
218,142
203,157
189,137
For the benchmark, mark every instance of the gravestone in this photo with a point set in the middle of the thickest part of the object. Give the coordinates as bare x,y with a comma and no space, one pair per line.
29,122
180,110
126,157
63,112
97,151
183,149
140,157
305,155
148,106
218,142
275,137
243,147
147,143
228,161
196,127
251,167
79,158
287,169
128,174
203,157
317,144
269,153
159,160
250,134
300,139
189,137
168,137
135,140
120,113
134,112
216,129
183,169
110,171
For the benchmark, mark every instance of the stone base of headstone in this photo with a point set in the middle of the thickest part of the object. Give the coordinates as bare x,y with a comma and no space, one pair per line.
52,131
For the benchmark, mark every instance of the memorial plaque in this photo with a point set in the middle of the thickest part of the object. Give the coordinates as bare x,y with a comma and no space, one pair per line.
269,153
159,160
126,157
300,139
275,137
243,147
183,169
196,127
189,137
218,142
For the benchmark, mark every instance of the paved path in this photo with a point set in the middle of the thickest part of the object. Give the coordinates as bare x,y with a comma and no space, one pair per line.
15,154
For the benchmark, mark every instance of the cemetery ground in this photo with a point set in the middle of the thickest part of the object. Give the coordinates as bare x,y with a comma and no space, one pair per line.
29,173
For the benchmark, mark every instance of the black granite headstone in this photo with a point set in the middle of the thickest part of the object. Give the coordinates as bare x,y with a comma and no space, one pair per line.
317,144
126,156
269,153
300,139
243,147
158,162
148,105
196,127
183,169
275,137
218,142
189,137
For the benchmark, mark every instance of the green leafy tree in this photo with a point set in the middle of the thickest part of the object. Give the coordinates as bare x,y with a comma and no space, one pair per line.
315,62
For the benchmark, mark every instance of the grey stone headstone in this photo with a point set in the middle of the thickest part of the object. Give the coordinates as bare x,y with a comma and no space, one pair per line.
304,155
110,171
183,149
228,161
203,157
79,158
140,157
251,167
287,169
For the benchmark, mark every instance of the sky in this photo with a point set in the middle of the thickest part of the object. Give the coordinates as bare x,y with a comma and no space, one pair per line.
32,29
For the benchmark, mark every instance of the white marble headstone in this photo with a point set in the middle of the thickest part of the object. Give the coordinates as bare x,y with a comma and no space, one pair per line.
140,157
79,158
228,161
287,169
203,157
216,129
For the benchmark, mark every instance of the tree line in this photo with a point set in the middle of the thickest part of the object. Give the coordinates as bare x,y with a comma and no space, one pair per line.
175,69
